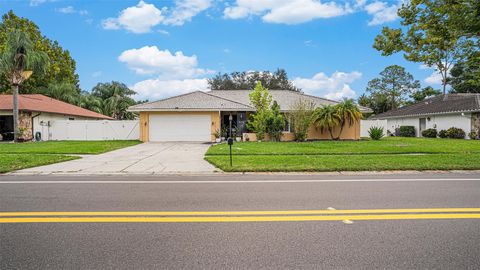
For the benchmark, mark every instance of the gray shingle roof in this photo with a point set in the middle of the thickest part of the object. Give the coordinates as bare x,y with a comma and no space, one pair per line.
197,100
442,104
230,100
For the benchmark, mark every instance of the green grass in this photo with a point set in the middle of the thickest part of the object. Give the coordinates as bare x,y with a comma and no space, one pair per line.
366,155
13,162
16,156
65,147
391,145
324,163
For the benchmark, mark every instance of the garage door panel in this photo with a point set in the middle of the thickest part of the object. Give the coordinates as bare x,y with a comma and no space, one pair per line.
179,127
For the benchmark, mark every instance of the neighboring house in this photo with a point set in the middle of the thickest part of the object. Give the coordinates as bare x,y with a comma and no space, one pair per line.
439,112
197,116
36,112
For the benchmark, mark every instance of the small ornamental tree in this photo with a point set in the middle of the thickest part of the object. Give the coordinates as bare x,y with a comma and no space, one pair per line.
275,122
349,113
301,118
261,100
327,118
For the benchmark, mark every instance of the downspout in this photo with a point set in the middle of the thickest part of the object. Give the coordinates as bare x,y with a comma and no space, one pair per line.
33,134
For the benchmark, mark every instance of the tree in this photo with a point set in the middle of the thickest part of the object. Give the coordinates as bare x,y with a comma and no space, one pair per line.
395,84
261,100
90,102
301,117
465,76
349,113
18,61
423,94
63,91
61,68
327,118
246,80
275,122
430,35
377,102
115,99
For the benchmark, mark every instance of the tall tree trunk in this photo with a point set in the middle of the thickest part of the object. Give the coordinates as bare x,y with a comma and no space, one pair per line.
16,130
444,82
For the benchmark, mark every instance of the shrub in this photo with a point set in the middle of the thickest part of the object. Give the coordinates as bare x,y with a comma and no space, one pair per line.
407,131
429,133
455,133
301,118
275,123
473,135
442,134
376,133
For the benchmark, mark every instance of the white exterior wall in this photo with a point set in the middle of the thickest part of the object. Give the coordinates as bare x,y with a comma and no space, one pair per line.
40,122
365,125
438,122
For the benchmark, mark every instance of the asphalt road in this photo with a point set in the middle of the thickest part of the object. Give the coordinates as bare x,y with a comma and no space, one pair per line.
430,243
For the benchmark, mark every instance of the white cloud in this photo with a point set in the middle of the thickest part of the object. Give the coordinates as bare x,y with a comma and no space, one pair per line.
35,3
336,86
97,74
143,17
154,89
434,78
381,12
71,10
137,19
185,10
163,32
150,60
286,11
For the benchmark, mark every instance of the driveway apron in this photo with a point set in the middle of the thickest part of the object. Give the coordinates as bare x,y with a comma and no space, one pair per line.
146,158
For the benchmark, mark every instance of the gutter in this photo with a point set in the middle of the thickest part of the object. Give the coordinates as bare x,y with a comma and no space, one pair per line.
424,114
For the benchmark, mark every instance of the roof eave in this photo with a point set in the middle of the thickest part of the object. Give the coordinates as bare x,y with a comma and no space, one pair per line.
426,114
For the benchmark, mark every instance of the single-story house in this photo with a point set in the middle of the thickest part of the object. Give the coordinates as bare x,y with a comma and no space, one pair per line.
440,112
36,112
198,115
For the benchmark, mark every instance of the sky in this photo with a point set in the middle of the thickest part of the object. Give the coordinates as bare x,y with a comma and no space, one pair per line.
165,48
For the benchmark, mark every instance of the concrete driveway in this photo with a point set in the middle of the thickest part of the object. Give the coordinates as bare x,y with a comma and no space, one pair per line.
146,158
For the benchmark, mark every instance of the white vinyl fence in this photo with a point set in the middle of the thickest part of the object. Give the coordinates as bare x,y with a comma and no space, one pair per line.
365,125
93,130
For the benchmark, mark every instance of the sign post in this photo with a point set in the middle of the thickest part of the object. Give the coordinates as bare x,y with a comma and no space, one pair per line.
230,139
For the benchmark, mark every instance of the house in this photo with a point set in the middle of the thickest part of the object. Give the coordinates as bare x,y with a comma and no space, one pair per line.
36,112
439,112
198,115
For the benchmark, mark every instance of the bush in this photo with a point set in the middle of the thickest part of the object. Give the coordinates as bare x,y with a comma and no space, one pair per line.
407,131
442,134
429,133
473,135
301,118
455,133
376,133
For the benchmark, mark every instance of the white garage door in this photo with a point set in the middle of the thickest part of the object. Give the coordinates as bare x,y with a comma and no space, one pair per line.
179,127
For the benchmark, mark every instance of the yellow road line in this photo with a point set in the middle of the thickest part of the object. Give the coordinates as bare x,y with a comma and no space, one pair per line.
237,219
242,213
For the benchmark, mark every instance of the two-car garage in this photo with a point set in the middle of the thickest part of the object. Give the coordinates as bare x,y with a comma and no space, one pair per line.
164,127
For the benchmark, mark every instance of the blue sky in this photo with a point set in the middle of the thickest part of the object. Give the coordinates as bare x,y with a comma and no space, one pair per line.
164,48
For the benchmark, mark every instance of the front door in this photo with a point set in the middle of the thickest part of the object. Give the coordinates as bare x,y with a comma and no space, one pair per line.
423,126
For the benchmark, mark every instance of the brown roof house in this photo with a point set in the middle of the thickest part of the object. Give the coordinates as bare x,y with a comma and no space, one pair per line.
198,116
440,112
36,112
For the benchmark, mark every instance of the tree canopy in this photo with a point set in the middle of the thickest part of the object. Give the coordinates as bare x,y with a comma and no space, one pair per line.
395,83
437,33
61,66
247,80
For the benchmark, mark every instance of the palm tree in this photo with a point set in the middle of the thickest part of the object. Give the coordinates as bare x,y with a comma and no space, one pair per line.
90,102
63,91
17,63
115,98
348,112
327,118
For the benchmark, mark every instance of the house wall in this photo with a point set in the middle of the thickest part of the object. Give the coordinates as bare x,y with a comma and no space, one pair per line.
438,122
41,120
144,125
348,133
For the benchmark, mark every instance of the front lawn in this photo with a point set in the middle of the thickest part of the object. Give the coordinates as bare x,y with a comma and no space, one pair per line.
16,156
388,145
12,162
65,147
365,155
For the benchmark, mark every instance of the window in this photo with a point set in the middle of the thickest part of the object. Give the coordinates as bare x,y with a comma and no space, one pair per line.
287,125
71,118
